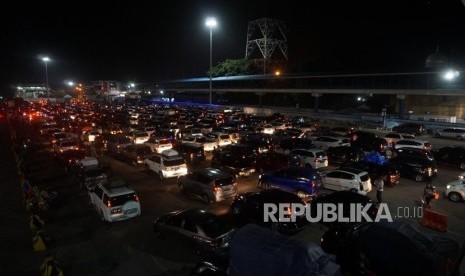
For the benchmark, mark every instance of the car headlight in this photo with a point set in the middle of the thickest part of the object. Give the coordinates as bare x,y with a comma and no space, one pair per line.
448,187
260,176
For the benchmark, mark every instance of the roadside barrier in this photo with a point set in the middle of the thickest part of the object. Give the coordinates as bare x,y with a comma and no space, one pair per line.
38,241
51,267
434,220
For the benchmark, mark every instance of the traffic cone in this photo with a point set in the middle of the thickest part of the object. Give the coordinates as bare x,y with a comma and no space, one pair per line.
38,242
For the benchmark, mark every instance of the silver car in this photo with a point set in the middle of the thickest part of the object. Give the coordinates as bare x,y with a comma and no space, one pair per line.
210,184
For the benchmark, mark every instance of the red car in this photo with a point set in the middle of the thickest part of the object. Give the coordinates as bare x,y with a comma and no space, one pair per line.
273,161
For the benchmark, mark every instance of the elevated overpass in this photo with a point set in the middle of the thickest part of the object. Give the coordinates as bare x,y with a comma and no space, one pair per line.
424,90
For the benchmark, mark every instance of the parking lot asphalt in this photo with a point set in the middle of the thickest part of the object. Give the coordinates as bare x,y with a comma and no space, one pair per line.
86,246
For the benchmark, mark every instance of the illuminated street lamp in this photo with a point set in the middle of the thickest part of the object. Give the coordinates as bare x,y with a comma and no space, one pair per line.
45,60
70,83
210,23
450,75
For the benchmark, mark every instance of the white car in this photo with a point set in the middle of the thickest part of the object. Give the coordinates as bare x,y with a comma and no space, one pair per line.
114,201
159,144
65,144
167,164
419,144
347,179
393,138
455,190
325,142
222,139
268,129
209,144
315,158
150,130
140,137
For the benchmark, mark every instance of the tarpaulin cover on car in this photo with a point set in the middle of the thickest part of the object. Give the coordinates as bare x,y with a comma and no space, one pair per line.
256,250
375,158
396,248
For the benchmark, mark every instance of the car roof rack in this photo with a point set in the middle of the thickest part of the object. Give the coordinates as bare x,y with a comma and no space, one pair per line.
115,182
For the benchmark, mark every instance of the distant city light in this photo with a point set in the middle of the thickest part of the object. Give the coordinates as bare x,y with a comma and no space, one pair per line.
277,73
359,99
451,74
45,59
162,92
70,83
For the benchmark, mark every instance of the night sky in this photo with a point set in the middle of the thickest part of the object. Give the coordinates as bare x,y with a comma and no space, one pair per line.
147,41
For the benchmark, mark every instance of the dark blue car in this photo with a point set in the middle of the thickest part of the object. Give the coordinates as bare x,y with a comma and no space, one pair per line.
302,181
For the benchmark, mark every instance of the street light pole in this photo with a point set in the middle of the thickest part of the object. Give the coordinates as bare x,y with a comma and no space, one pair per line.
45,60
211,23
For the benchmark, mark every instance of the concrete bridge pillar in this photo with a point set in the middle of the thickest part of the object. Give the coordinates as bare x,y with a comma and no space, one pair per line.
260,98
401,99
315,105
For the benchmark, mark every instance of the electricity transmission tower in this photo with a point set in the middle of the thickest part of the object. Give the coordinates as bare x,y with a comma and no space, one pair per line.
266,34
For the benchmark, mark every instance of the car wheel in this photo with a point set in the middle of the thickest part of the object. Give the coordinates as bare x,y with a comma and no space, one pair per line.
455,197
462,166
146,167
160,174
459,138
419,178
237,209
182,189
206,199
102,216
134,163
274,226
437,135
354,190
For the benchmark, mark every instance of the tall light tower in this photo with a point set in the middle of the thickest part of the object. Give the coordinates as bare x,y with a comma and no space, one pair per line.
45,60
210,23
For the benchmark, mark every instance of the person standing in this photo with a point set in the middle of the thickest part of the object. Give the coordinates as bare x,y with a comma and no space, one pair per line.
428,195
379,183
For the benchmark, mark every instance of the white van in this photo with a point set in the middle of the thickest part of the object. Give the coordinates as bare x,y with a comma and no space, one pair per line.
114,201
167,164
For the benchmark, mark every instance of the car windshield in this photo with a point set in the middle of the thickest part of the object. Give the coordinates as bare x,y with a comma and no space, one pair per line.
143,151
122,199
225,136
225,181
68,144
214,228
94,173
141,134
174,162
124,140
60,135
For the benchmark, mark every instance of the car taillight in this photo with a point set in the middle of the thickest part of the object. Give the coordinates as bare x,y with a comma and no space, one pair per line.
235,184
137,198
217,189
109,204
